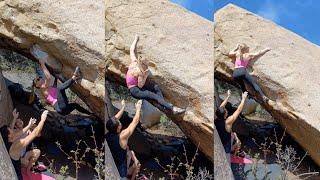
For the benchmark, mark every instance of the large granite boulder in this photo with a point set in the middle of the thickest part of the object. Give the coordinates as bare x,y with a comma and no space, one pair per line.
71,32
6,171
287,74
178,44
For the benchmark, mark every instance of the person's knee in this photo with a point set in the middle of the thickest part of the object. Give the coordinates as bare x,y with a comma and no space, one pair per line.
157,87
35,154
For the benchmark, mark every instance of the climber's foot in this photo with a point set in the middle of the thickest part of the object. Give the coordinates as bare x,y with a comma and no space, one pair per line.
177,110
265,99
76,75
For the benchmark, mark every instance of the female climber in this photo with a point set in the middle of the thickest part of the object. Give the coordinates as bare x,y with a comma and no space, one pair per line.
136,77
17,142
240,73
224,123
56,96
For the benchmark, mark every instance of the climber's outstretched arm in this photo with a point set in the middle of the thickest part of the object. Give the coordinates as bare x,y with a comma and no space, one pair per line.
42,60
24,142
225,101
46,73
233,52
231,119
126,133
253,56
133,48
119,114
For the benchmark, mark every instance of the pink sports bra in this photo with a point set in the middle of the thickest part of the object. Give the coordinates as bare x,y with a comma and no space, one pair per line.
131,80
52,95
241,63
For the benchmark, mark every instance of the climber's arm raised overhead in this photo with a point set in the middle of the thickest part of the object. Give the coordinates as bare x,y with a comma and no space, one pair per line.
15,114
24,142
119,114
46,72
256,55
126,133
225,101
233,52
231,119
133,48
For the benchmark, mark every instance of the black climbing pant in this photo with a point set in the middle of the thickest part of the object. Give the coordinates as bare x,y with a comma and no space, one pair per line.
241,76
150,92
62,106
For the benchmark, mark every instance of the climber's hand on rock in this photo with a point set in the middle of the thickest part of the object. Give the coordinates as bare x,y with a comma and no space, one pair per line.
136,37
268,49
138,105
15,114
123,103
42,61
32,121
146,72
229,92
244,95
44,115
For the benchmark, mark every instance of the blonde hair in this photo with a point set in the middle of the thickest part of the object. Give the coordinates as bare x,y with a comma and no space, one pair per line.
143,61
243,46
32,95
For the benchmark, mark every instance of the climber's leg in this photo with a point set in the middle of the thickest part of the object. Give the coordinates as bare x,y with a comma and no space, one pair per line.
74,106
62,99
153,88
148,95
66,84
239,77
254,84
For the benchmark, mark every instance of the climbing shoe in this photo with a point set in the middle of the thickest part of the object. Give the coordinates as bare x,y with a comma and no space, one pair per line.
177,110
77,73
265,99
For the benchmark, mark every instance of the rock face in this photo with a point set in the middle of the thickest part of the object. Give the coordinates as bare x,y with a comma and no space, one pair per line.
111,170
179,45
6,103
150,115
287,74
72,32
222,169
6,171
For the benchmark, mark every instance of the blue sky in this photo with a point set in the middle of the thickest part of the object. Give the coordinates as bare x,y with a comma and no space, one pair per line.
203,8
299,16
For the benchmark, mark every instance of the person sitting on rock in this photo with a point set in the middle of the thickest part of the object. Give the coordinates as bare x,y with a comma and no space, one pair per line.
56,96
136,77
16,143
224,122
117,140
240,73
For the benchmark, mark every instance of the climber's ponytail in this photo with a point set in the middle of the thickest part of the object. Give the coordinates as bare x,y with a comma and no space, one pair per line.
141,61
243,47
32,95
